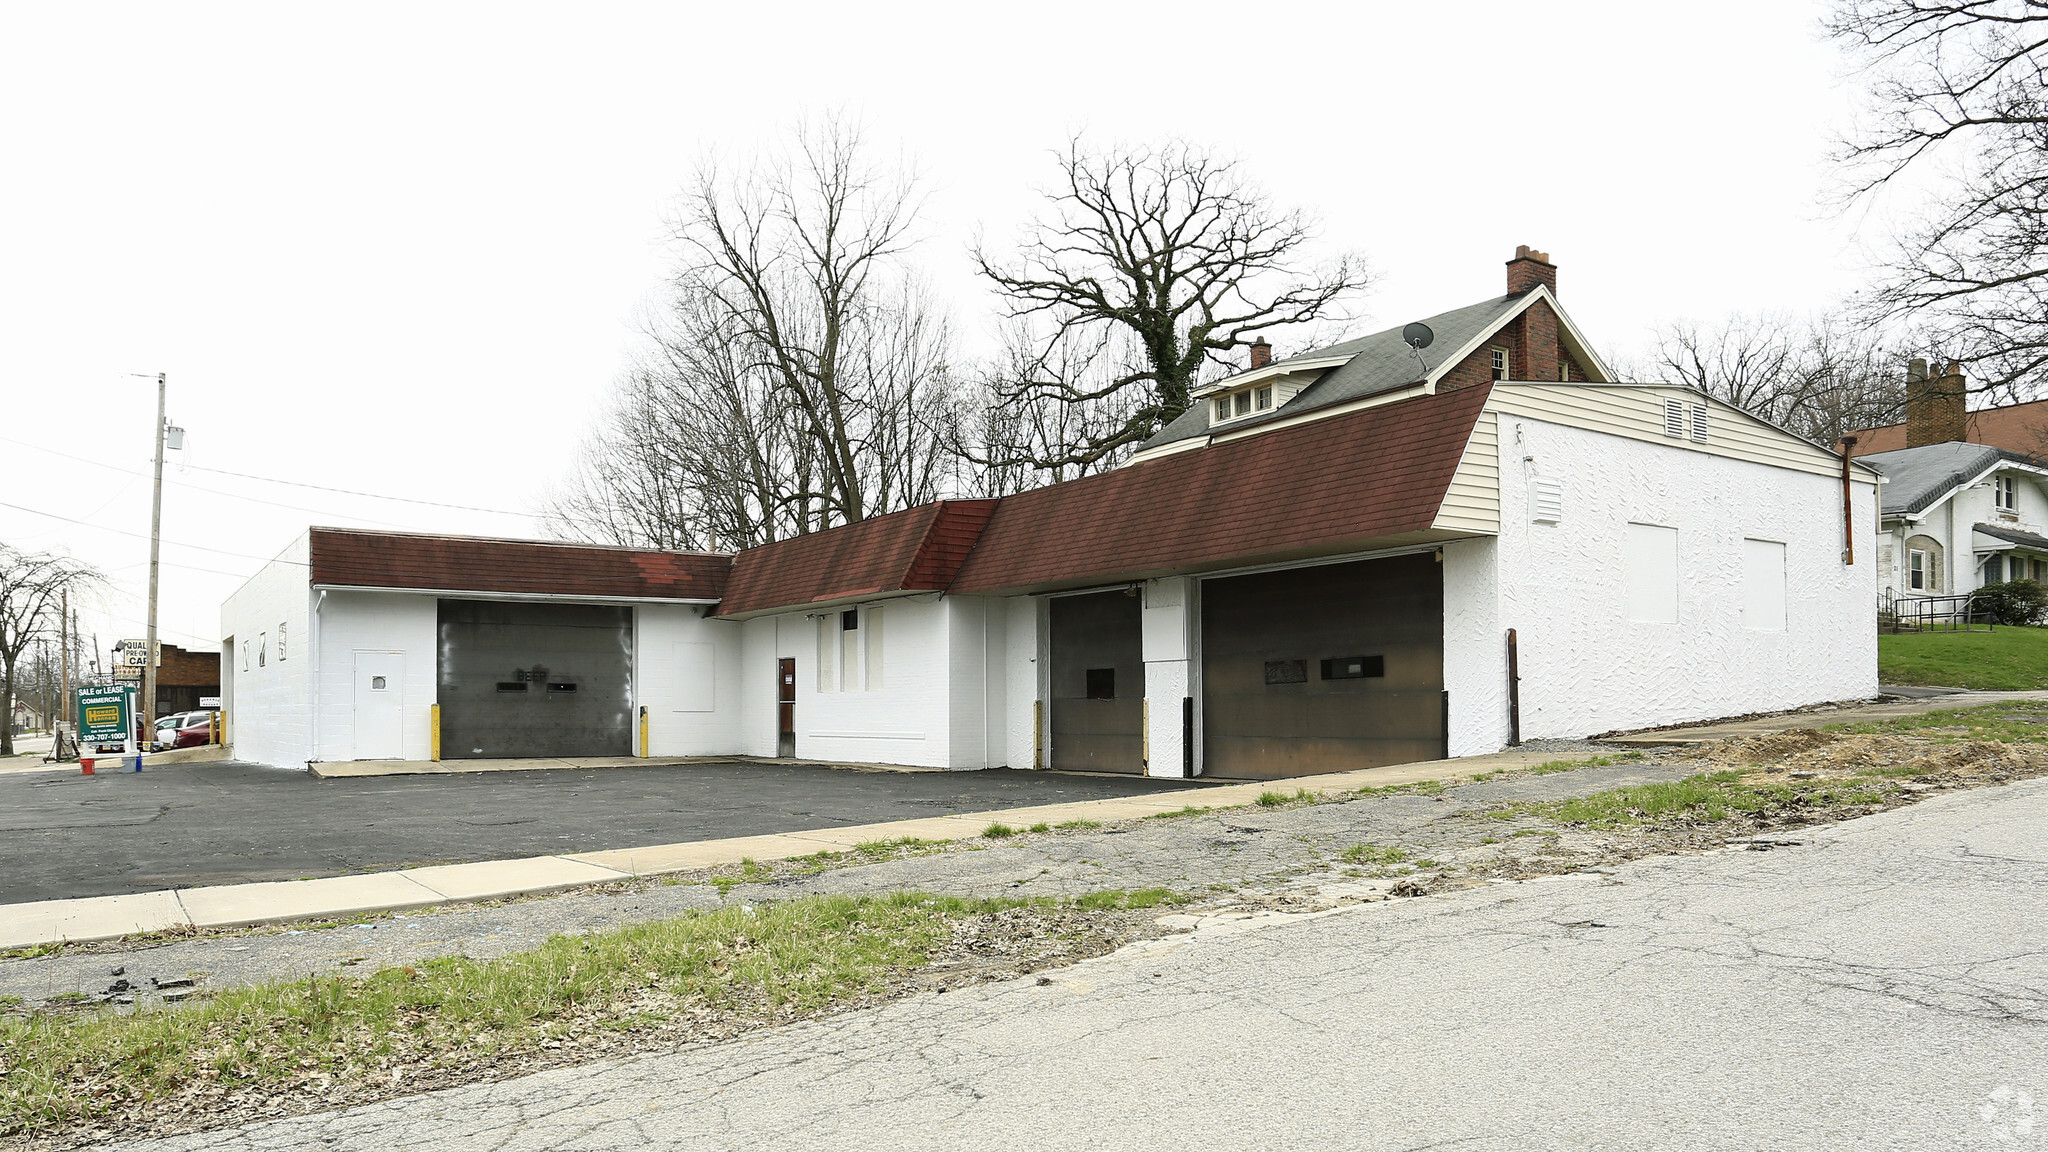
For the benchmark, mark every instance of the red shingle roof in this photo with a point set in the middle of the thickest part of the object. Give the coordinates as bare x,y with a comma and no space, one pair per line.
917,548
349,557
2021,428
1316,487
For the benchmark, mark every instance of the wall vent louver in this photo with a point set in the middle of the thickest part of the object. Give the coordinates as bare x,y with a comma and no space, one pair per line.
1546,501
1699,423
1674,418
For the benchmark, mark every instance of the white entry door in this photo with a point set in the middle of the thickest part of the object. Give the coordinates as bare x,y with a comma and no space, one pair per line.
380,706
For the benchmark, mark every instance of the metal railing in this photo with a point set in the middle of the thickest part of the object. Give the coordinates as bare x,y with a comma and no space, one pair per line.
1931,614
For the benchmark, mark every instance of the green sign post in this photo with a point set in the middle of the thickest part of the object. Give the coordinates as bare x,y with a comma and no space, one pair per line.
105,712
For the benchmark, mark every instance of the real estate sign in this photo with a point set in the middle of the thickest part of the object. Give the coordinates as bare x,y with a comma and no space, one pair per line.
104,711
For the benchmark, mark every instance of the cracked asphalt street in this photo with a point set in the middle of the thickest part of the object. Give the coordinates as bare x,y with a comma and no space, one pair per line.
1879,986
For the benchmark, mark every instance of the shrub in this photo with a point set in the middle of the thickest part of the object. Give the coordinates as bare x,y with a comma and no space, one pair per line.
2014,602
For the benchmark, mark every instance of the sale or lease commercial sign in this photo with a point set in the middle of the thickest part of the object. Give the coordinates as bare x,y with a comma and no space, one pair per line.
103,711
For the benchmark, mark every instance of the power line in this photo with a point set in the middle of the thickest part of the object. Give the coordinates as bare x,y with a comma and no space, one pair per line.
259,499
352,492
140,536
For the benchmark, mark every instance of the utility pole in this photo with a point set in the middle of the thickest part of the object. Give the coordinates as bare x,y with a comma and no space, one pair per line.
64,660
156,527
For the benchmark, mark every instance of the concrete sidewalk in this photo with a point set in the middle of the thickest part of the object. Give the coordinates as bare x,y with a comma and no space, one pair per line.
113,761
241,905
1815,718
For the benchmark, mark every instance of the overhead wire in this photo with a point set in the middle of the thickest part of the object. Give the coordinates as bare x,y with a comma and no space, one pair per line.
141,536
254,499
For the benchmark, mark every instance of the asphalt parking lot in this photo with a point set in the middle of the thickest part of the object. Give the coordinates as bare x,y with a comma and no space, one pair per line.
66,835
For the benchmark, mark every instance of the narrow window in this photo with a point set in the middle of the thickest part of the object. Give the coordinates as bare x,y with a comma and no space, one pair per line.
1564,371
2005,493
874,635
280,642
1223,408
1244,403
262,647
1916,570
849,650
1500,363
1262,399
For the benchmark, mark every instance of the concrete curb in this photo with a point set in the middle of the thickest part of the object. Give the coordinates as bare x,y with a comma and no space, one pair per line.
241,905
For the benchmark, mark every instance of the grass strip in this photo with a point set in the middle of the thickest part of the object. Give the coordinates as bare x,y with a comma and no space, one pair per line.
2014,722
1706,798
772,962
2005,659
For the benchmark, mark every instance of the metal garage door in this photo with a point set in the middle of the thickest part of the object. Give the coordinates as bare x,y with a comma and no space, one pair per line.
521,679
1098,683
1323,669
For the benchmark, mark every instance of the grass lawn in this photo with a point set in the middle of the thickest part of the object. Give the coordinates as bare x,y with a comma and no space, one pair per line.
2008,659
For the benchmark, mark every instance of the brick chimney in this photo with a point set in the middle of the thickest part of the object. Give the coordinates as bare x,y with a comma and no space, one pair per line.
1262,353
1530,268
1937,411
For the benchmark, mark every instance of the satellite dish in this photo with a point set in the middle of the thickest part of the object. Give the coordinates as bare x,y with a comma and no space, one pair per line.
1417,336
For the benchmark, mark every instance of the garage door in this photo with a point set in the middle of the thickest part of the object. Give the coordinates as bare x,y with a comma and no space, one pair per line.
1323,669
1098,683
535,679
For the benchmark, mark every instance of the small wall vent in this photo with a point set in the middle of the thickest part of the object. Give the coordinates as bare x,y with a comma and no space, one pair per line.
1546,501
1699,423
1674,418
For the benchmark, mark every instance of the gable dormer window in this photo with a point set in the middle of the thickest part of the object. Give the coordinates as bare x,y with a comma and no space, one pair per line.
2005,493
1500,363
1262,399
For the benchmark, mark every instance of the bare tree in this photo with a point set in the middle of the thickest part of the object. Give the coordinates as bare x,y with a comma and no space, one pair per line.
1959,102
31,589
1819,378
1172,248
802,377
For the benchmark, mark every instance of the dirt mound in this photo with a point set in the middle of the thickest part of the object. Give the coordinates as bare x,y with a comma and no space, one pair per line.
1766,749
1806,750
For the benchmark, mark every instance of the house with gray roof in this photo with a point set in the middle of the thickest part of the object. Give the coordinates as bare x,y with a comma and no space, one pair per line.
1522,335
1957,516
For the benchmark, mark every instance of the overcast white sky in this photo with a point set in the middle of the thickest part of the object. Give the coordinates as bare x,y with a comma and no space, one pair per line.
400,248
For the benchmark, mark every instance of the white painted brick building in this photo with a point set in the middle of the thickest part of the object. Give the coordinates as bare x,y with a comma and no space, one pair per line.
1318,567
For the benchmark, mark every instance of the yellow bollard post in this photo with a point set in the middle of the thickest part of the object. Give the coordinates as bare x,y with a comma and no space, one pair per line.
435,713
643,731
1037,734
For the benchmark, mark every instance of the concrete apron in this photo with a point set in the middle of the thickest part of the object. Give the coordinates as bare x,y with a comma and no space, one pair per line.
242,905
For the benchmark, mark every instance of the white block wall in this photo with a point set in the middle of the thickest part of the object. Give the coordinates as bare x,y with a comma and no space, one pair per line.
1023,623
1587,668
675,699
352,622
903,722
1166,639
270,704
1475,647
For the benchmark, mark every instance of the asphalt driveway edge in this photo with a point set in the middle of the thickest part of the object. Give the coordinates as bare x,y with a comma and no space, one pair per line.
100,918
